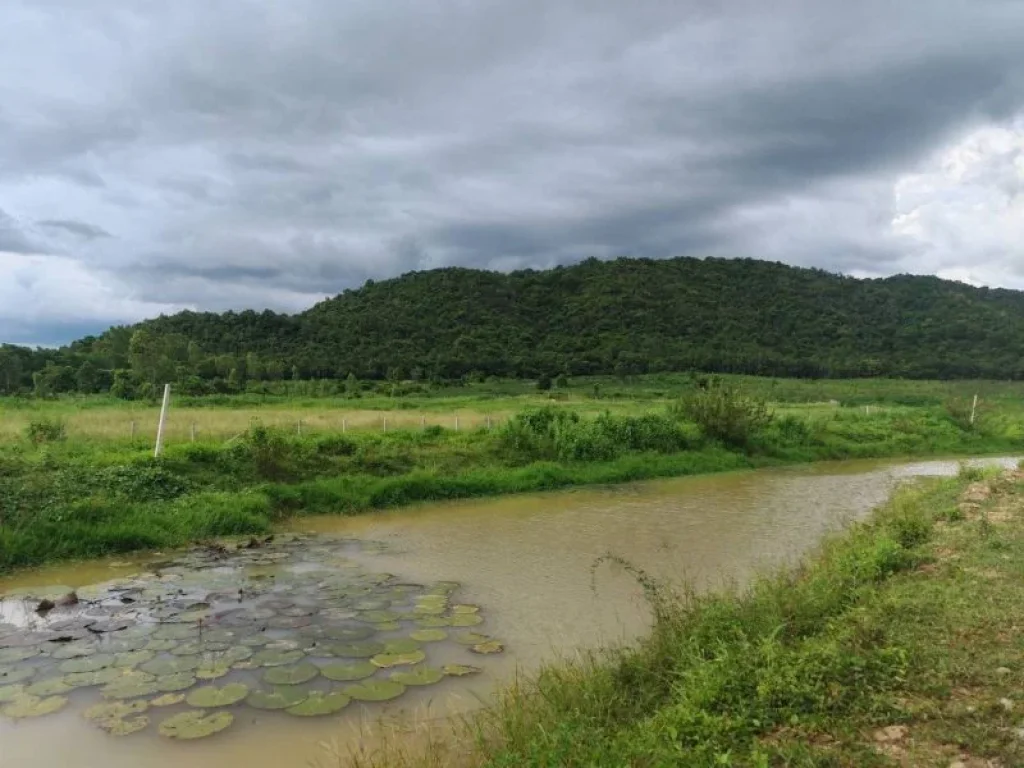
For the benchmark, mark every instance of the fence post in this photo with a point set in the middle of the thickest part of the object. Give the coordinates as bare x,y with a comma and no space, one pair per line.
193,431
133,430
344,426
488,422
423,422
456,423
385,424
298,427
158,448
974,408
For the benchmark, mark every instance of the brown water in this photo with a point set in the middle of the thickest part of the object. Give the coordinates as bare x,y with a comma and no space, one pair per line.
529,561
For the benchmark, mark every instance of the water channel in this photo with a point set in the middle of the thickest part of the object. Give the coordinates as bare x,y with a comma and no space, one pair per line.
526,561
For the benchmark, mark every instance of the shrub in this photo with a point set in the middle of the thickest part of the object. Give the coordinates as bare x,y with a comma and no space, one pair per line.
46,431
722,413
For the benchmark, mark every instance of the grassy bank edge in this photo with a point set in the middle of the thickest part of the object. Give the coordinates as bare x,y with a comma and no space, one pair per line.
898,643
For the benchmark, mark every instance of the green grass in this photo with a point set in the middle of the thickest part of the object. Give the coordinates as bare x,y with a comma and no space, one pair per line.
899,644
65,496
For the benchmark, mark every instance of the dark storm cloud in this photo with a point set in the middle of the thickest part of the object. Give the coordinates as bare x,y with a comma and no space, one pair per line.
273,156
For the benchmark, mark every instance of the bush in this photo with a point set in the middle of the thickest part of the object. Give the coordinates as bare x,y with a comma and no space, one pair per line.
722,413
46,431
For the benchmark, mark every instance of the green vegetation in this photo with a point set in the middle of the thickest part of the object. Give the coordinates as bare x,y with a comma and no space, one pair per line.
899,644
625,318
66,495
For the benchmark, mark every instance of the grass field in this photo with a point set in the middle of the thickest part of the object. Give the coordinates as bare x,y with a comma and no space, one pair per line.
74,484
900,644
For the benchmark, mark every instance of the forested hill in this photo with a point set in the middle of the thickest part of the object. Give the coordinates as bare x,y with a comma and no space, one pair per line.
624,316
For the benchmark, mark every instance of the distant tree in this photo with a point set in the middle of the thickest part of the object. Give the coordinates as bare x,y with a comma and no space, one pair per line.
87,378
562,382
544,382
234,380
351,384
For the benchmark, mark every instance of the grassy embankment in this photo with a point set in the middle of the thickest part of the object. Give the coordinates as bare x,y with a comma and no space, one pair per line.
900,644
74,494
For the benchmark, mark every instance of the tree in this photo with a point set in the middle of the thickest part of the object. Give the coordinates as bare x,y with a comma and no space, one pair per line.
544,382
87,378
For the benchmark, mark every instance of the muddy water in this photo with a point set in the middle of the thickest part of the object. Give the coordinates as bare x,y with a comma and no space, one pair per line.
529,562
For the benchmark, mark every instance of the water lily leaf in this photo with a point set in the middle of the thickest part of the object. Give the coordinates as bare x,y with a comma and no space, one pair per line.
352,650
425,609
11,692
443,588
73,651
125,645
348,634
375,690
278,698
195,647
377,617
99,677
294,675
105,626
418,676
465,609
55,686
10,675
14,655
347,672
387,626
176,632
466,620
34,706
491,646
119,718
429,635
88,663
320,703
179,681
132,658
277,658
212,669
433,622
195,725
170,666
459,670
130,687
372,605
386,660
244,665
403,645
471,638
219,635
161,644
211,696
167,700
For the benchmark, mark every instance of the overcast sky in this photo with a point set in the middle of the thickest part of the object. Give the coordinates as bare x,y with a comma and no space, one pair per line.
219,154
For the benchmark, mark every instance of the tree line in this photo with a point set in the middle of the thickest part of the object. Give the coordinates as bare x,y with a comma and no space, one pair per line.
622,317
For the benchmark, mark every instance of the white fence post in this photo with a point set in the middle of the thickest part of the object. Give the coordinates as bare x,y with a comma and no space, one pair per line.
974,408
193,431
163,421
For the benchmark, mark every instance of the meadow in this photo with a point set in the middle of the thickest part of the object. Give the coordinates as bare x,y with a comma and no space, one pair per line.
74,482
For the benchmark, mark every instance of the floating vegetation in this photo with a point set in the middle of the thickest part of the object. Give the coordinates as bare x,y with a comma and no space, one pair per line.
418,676
211,696
375,690
320,703
225,623
195,725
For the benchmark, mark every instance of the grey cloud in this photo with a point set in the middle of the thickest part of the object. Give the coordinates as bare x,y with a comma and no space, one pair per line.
80,228
12,238
298,149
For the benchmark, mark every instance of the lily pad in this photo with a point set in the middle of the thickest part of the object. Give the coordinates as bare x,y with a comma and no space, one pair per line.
491,646
320,703
34,706
195,647
119,718
73,651
459,670
11,692
429,635
179,681
167,700
387,626
16,674
131,659
211,696
375,690
294,675
347,672
130,687
429,609
404,645
55,686
212,669
277,658
88,663
176,632
170,666
471,638
14,655
466,620
125,645
465,608
99,677
161,644
278,698
433,622
256,640
418,676
352,650
195,725
377,617
386,660
348,634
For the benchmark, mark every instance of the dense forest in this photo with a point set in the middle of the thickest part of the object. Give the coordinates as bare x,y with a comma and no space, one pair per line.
618,317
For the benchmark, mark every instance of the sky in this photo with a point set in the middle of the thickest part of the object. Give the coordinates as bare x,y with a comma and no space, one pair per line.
157,156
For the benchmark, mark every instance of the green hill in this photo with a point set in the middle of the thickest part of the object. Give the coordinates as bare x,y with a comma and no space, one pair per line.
622,316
